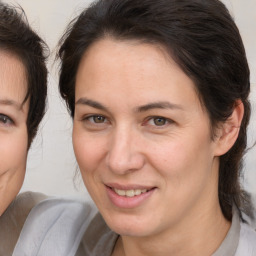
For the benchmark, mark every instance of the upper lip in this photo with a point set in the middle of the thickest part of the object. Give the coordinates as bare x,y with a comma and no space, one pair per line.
128,186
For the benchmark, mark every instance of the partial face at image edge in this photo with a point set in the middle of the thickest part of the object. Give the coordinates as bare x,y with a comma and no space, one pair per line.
13,127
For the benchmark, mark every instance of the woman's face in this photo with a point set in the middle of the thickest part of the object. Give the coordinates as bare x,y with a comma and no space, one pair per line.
13,128
142,139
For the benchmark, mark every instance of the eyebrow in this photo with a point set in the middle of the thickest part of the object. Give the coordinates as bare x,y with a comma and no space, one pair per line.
158,105
143,108
11,103
91,103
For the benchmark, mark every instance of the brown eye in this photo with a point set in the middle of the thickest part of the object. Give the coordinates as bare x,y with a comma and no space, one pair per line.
159,121
98,119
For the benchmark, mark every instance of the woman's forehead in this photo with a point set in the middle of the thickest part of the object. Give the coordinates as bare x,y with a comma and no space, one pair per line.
13,81
139,74
108,61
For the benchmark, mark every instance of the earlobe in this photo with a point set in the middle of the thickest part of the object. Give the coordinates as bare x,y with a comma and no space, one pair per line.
229,130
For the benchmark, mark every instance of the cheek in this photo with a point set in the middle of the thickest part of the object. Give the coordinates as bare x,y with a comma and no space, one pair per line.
21,147
186,173
183,161
88,151
13,152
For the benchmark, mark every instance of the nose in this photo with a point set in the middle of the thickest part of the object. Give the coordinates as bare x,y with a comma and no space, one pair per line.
125,152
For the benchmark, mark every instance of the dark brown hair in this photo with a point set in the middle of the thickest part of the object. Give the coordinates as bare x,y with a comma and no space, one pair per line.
200,35
16,37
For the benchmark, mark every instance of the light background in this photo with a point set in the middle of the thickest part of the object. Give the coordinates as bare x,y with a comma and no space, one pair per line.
51,164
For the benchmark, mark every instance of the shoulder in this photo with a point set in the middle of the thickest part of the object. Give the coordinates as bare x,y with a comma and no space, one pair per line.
13,219
247,241
18,210
54,227
98,239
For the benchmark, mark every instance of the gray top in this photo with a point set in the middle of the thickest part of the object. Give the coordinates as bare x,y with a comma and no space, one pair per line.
71,228
13,219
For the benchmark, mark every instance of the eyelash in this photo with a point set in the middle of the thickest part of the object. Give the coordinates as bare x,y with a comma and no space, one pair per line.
5,120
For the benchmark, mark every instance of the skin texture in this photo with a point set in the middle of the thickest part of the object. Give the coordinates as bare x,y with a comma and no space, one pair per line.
119,142
13,128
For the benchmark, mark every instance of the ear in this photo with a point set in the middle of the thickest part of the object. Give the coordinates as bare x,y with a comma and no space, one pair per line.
228,131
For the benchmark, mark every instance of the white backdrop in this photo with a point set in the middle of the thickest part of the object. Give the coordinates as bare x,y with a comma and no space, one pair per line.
51,164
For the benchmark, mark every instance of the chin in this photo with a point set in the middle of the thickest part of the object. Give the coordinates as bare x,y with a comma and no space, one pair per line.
130,231
130,226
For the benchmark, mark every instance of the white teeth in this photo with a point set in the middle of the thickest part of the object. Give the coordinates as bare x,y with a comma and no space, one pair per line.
137,192
120,192
130,193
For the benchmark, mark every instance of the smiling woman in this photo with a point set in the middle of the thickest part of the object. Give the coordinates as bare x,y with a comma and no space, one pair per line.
158,92
22,106
13,127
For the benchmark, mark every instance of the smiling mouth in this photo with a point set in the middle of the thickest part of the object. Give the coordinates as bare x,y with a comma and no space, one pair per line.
128,197
130,193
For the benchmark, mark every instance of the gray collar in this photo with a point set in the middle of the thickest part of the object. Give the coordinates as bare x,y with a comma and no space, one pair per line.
230,243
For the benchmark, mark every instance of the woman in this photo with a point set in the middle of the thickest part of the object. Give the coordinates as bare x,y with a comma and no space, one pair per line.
158,92
23,87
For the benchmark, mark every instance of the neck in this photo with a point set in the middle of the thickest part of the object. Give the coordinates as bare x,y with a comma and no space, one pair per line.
202,235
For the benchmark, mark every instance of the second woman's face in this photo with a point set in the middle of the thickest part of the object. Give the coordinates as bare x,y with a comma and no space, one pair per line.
13,127
142,139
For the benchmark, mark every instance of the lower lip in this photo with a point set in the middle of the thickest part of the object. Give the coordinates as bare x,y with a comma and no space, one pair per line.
128,202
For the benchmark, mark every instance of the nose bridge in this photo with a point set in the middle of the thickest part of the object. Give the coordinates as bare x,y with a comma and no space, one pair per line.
124,153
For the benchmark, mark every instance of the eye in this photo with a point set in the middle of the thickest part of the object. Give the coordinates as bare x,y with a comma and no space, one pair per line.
95,122
97,119
5,120
159,121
